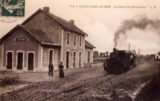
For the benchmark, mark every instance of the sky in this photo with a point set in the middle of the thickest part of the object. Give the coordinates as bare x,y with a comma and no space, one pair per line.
102,22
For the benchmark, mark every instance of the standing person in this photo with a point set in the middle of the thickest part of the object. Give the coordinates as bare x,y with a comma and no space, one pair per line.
61,73
51,68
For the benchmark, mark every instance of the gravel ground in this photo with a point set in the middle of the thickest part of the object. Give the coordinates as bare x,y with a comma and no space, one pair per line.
87,84
124,87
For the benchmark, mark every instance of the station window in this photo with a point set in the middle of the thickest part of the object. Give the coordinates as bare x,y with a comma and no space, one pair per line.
80,39
68,38
74,40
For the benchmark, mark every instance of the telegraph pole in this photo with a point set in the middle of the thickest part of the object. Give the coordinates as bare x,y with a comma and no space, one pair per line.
129,47
139,53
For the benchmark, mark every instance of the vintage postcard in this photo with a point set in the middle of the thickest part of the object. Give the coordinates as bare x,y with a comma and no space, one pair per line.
79,50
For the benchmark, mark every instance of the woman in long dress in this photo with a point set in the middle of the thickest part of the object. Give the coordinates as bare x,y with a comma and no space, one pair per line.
61,73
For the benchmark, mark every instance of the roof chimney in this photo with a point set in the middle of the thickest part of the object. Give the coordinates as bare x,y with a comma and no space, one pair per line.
46,9
71,22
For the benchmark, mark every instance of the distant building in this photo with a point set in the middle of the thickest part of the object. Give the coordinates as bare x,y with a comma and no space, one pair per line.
157,56
95,54
44,38
102,54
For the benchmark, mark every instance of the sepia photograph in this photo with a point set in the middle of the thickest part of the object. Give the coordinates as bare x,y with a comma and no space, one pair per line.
79,50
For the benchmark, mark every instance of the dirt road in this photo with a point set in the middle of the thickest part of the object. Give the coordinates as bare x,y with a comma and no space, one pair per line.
87,84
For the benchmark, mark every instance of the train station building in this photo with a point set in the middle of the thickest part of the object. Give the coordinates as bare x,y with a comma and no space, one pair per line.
41,39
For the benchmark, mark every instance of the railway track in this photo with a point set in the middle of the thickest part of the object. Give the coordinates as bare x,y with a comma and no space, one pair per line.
69,93
76,90
63,94
39,92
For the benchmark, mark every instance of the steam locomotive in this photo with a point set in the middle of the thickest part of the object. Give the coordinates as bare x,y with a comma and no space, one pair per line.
119,62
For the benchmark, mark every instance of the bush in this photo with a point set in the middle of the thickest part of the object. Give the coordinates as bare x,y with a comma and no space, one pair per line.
8,81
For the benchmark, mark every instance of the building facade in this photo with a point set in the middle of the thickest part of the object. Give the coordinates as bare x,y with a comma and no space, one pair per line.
42,39
88,52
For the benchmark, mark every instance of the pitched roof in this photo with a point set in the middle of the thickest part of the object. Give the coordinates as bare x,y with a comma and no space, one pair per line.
40,36
89,45
62,22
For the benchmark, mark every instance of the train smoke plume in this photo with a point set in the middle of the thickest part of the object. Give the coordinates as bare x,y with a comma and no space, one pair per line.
141,24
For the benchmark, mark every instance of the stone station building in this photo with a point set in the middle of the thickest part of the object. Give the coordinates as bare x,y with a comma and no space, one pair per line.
41,39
